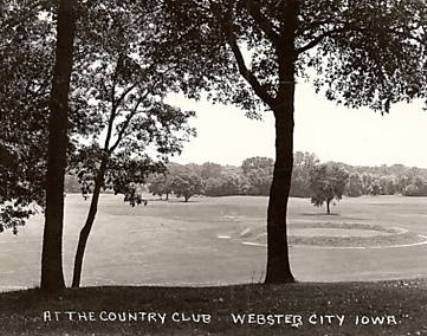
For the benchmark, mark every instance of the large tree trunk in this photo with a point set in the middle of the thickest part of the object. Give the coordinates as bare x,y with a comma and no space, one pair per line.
52,277
278,266
328,207
85,231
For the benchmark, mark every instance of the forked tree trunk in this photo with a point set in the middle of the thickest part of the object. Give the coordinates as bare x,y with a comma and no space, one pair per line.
278,265
85,231
52,276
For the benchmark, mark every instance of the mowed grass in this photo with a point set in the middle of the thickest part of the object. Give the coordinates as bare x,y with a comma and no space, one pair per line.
175,243
398,307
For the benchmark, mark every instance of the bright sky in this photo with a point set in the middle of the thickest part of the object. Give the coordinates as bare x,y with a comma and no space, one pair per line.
358,137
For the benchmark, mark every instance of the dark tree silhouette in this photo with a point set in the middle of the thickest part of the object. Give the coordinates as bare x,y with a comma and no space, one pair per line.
52,277
359,53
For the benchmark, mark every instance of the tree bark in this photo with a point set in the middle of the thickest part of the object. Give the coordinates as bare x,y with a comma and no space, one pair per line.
328,207
85,231
52,276
278,265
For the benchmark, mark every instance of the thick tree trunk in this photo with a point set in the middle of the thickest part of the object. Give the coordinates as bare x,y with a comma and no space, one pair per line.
85,231
278,266
52,277
328,207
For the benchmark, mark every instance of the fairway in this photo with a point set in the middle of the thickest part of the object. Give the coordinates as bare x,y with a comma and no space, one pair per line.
205,242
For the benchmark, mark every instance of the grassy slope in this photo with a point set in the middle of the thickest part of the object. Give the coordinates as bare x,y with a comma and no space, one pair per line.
21,312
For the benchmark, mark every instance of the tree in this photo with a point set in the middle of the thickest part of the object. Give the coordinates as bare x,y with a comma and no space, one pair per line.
355,185
259,174
359,53
418,187
327,183
374,187
388,185
186,184
25,65
304,163
122,88
227,184
210,170
159,185
52,277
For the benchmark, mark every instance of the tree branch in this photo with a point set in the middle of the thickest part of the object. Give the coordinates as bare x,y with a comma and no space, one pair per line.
227,27
125,93
313,43
264,23
126,123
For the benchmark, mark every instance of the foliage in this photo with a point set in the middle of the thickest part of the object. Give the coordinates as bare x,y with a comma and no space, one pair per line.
223,185
327,182
354,186
159,185
304,163
186,184
25,65
120,87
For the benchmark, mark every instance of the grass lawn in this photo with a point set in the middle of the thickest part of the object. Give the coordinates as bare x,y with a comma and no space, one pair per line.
177,244
174,243
400,305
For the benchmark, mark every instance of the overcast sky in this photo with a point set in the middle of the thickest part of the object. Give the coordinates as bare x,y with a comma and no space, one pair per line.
359,137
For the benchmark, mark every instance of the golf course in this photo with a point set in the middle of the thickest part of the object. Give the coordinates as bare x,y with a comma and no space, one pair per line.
198,265
220,241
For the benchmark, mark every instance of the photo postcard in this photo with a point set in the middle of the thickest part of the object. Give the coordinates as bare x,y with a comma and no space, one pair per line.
213,167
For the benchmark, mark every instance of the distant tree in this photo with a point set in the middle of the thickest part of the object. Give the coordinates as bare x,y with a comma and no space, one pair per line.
418,187
354,186
213,187
402,182
210,170
327,183
231,184
367,180
71,184
224,185
387,184
186,184
374,188
304,163
258,163
258,172
160,184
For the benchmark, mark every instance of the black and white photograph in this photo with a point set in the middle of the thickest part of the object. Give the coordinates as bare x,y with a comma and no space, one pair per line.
213,167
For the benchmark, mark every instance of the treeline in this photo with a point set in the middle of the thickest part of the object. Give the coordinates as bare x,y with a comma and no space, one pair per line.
362,180
255,174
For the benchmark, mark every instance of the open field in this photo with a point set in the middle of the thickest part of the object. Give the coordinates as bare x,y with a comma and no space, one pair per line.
174,243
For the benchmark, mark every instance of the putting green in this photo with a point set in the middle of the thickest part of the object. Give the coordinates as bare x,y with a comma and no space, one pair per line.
333,234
